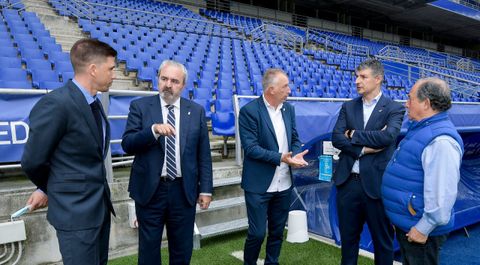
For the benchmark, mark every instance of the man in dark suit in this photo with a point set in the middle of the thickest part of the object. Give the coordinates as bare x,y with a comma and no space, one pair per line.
64,156
172,168
366,133
271,145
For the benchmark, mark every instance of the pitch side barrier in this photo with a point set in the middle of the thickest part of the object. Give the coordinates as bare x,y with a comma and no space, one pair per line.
315,121
16,104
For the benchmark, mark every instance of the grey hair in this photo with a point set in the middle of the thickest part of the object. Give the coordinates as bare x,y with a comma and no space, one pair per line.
270,77
176,64
375,65
437,91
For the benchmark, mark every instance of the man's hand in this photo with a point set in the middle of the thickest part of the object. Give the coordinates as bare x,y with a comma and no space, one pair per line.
296,161
349,133
204,201
415,236
369,150
163,129
37,200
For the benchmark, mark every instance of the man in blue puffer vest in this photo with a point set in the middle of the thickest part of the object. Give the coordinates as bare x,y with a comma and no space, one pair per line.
419,186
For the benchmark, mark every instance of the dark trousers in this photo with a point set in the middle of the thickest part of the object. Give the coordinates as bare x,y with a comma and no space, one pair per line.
354,208
169,207
272,207
88,246
420,254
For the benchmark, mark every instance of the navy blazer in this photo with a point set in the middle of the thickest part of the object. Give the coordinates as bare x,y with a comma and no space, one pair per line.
386,113
261,155
195,157
64,157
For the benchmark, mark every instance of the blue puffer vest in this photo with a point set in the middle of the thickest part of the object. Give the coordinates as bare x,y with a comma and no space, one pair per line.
402,185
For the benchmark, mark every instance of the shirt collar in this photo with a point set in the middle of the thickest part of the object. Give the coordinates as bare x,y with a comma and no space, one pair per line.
270,106
176,104
85,93
374,100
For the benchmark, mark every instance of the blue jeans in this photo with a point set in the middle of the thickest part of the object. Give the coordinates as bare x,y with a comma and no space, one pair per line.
420,254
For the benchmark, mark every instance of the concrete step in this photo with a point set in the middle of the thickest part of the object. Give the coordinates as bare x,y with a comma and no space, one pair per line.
124,85
39,7
227,187
223,228
221,211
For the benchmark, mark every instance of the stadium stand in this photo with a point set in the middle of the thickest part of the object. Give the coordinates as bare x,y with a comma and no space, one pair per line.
225,55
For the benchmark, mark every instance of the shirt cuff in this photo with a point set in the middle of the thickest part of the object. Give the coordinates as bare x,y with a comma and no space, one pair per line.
205,194
362,152
424,226
156,135
38,189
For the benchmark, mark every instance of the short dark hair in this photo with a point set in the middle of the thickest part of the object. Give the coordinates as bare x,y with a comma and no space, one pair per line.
86,51
375,65
437,91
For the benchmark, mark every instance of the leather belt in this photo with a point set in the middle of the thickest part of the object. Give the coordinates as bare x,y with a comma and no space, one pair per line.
167,179
354,175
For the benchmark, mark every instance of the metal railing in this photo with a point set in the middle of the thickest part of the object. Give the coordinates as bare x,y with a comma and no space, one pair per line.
397,54
273,34
330,42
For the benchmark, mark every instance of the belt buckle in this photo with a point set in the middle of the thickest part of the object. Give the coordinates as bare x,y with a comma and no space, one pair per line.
164,178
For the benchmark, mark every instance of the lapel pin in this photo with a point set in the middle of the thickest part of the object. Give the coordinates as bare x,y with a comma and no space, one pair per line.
188,113
380,110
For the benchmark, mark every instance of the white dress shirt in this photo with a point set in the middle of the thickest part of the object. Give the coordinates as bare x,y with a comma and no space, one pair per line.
367,112
176,110
281,179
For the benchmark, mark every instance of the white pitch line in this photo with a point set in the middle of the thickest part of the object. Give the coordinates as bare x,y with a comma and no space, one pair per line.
239,255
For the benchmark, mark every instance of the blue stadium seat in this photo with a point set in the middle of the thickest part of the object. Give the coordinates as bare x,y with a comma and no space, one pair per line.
223,105
13,74
146,74
39,75
224,93
202,93
223,123
8,52
40,64
58,56
63,66
16,84
207,106
65,76
10,62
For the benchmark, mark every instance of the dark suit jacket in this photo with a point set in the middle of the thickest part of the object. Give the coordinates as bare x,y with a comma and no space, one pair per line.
195,157
261,155
386,113
64,157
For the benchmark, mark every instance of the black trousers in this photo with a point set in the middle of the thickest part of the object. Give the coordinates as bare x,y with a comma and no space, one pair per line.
420,254
355,208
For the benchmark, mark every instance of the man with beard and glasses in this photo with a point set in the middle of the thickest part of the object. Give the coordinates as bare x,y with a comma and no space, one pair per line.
172,168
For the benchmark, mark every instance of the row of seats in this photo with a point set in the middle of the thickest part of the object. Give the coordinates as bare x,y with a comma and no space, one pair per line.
29,56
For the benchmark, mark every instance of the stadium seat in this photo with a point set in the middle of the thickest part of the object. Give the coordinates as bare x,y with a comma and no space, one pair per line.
223,105
13,74
10,62
223,123
207,106
16,84
39,76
